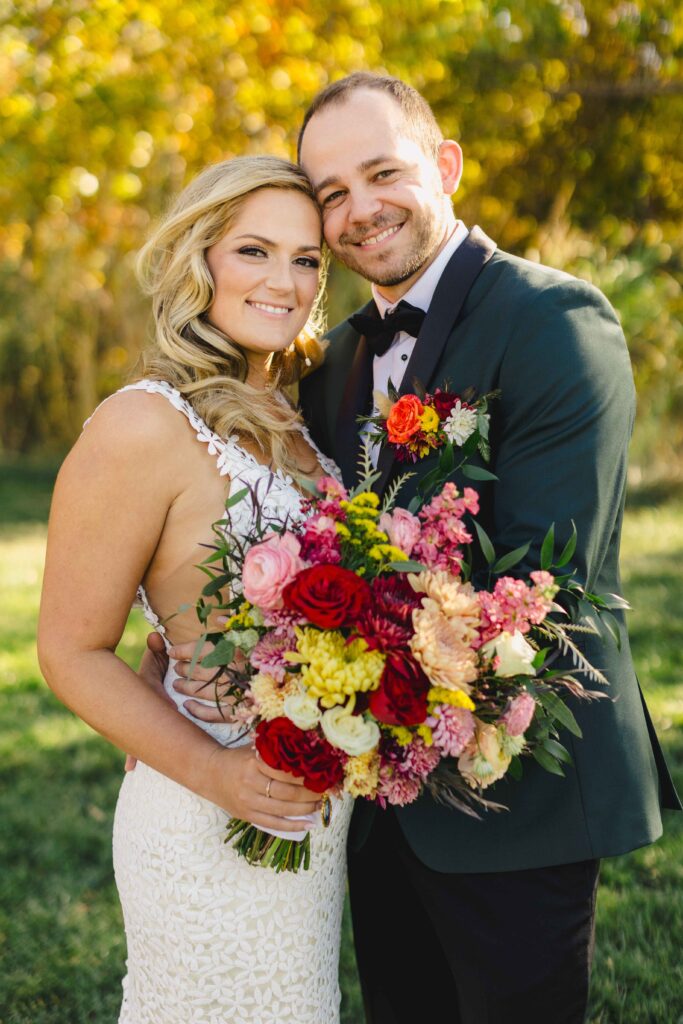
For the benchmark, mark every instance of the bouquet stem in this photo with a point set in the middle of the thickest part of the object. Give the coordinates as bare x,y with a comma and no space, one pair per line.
268,851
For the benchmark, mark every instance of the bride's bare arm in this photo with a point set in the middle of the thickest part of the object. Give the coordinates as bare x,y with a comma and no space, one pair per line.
111,501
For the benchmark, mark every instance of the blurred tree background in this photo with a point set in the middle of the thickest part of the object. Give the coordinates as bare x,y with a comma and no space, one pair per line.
570,116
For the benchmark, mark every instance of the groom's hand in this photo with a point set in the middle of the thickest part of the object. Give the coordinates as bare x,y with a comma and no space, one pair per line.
203,683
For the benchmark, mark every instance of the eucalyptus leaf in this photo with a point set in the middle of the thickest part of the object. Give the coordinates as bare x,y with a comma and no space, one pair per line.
222,654
235,499
556,707
477,473
507,561
407,566
547,761
487,548
569,549
548,547
557,750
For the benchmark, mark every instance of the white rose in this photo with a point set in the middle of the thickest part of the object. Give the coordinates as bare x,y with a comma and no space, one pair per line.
302,709
515,654
351,733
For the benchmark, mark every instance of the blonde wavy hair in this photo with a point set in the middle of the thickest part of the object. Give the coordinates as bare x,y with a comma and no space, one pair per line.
191,353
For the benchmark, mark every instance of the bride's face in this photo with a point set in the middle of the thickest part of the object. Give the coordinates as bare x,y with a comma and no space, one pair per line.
265,271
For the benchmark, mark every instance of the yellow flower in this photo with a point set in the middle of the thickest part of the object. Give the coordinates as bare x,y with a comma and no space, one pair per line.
343,530
429,419
426,733
362,774
402,735
241,618
332,670
456,698
365,498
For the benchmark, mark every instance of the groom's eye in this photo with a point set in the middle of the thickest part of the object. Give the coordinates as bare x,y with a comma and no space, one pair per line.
332,198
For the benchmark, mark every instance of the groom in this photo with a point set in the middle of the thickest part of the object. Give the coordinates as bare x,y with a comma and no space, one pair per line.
483,921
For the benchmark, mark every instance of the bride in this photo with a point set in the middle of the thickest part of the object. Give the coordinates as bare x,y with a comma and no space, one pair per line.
234,272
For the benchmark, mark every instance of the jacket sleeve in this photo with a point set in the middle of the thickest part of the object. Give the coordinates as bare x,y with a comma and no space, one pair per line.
567,407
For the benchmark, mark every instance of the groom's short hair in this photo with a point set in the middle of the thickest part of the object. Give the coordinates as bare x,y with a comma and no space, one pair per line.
419,117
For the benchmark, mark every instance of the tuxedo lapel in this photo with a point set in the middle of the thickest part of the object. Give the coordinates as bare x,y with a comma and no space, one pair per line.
356,401
459,275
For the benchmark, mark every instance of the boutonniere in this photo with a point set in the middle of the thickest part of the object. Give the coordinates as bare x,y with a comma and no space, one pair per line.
419,424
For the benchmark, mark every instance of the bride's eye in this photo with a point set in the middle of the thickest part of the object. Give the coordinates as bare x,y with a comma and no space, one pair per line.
308,261
252,250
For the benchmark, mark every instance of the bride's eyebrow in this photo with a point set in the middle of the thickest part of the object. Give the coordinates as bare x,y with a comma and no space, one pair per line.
270,242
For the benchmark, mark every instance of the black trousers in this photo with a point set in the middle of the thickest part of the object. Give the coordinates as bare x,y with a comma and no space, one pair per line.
513,947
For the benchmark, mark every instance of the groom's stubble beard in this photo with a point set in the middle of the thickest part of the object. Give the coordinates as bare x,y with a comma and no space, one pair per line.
427,234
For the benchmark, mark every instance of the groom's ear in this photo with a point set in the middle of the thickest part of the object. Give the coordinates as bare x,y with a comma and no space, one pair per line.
449,162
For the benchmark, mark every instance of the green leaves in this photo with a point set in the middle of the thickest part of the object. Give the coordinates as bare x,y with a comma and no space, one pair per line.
557,709
487,549
548,547
477,473
506,562
222,654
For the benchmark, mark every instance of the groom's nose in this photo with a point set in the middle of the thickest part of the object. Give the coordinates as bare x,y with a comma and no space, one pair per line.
364,205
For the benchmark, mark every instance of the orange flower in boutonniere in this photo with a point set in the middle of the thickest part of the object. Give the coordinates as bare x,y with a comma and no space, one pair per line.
405,419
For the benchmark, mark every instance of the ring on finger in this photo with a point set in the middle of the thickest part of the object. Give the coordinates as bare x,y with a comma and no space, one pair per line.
268,785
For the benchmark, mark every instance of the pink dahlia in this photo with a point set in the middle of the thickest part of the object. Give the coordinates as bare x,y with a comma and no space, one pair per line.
320,542
396,789
452,729
269,654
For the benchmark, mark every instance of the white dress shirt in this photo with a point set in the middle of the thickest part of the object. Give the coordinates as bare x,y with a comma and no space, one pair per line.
392,364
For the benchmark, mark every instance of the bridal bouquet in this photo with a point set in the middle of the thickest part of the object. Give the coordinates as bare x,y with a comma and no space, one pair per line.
371,663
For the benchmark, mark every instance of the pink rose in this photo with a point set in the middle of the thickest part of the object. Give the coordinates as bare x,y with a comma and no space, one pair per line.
402,529
517,718
269,567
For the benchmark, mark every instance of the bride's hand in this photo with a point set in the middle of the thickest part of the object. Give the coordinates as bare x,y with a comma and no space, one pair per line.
244,786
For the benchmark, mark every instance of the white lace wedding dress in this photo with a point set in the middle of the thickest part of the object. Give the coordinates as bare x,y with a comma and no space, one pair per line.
211,939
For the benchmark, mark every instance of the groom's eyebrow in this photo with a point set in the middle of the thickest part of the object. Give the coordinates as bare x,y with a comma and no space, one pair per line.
366,165
269,241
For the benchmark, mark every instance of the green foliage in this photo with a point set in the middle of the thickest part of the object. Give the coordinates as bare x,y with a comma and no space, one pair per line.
569,116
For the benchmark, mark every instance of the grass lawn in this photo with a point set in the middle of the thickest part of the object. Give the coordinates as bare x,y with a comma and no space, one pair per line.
61,940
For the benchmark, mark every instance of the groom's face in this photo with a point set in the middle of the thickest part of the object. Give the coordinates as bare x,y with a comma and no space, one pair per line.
384,199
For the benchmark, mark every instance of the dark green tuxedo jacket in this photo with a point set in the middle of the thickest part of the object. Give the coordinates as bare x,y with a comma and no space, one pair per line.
559,437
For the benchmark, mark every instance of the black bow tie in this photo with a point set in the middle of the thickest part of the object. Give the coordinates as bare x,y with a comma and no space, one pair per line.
379,333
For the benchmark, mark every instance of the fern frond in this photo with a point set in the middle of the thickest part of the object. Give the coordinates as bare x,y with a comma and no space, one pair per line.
394,488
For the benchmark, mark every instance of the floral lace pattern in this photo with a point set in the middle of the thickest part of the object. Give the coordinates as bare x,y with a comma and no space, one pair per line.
212,940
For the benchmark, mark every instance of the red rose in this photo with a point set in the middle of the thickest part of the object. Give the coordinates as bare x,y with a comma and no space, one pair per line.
284,746
327,595
444,402
402,695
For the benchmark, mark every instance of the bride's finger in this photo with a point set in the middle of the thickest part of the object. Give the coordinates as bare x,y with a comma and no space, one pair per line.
267,805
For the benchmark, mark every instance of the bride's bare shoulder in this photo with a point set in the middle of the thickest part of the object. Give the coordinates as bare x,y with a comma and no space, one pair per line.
132,435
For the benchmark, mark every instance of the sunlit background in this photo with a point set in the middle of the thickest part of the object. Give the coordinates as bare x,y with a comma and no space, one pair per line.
570,118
